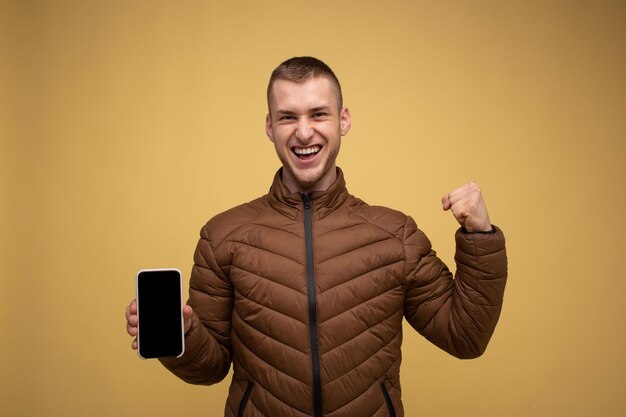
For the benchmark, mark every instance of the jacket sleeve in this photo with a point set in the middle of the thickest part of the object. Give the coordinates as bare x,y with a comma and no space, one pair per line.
207,354
457,314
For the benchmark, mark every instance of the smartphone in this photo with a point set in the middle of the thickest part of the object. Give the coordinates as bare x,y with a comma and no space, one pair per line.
160,313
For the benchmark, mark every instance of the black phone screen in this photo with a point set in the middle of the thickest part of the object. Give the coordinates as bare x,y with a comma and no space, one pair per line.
159,310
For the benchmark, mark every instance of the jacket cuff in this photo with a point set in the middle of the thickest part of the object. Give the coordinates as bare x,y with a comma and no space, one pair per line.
482,253
480,243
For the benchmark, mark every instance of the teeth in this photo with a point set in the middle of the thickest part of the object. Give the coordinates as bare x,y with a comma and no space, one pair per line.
306,151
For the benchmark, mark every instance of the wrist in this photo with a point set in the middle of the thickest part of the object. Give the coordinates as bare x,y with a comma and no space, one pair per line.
486,231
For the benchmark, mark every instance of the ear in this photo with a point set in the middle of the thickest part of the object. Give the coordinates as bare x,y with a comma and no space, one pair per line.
268,127
345,121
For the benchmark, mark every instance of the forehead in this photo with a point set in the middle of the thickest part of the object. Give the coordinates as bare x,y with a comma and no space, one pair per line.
313,93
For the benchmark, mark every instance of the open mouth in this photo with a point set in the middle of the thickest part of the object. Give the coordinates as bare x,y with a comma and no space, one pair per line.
306,153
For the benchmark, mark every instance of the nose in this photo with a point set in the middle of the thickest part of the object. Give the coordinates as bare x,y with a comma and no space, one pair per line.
304,131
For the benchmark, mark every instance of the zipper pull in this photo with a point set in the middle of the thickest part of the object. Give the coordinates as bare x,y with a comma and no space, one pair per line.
306,199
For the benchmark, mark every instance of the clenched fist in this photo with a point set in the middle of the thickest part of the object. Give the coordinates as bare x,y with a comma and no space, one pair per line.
468,207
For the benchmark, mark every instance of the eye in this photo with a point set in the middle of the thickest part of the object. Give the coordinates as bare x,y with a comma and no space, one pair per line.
319,115
286,117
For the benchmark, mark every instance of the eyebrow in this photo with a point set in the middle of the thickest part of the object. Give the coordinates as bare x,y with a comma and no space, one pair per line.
289,112
325,109
312,110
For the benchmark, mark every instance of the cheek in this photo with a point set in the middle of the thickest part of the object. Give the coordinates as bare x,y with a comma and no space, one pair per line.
331,129
282,133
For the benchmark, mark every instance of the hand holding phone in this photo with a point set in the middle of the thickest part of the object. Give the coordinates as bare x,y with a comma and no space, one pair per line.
156,317
132,321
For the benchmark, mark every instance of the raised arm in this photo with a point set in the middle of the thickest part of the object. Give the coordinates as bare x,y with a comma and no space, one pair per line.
457,314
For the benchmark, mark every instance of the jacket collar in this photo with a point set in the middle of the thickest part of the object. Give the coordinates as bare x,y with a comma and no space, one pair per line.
323,202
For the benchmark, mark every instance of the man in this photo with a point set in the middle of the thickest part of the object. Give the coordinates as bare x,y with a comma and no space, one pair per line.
305,288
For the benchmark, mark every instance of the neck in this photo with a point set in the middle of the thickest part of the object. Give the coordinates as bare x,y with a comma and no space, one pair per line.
323,184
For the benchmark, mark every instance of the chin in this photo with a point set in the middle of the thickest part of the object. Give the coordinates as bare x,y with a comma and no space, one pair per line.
306,183
311,175
307,179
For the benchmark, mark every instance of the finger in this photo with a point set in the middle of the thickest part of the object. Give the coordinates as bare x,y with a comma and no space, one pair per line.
445,202
453,198
468,197
462,192
132,319
131,310
133,345
460,214
131,330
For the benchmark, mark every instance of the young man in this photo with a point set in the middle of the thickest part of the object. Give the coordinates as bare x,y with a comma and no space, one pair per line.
305,288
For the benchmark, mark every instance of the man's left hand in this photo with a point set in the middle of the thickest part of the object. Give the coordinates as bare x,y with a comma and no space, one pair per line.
468,207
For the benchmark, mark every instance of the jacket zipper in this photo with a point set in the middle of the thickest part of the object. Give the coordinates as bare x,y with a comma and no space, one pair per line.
244,399
310,279
392,411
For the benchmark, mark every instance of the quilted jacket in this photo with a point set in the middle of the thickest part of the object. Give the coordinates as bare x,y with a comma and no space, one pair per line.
305,295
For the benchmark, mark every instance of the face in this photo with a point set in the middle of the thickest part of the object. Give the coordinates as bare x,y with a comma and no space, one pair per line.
305,124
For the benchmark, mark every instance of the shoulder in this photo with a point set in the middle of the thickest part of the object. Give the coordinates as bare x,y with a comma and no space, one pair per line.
394,222
224,224
391,220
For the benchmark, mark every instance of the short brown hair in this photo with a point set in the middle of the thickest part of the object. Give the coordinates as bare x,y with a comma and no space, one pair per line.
301,68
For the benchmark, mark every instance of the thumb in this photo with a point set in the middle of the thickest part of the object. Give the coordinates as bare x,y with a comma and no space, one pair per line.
187,313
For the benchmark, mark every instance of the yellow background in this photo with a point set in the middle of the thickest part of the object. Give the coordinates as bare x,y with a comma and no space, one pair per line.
125,125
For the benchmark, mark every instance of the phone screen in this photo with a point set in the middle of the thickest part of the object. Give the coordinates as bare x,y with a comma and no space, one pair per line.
159,310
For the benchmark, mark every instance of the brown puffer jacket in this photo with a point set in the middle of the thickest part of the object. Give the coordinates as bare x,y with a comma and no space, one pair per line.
309,309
